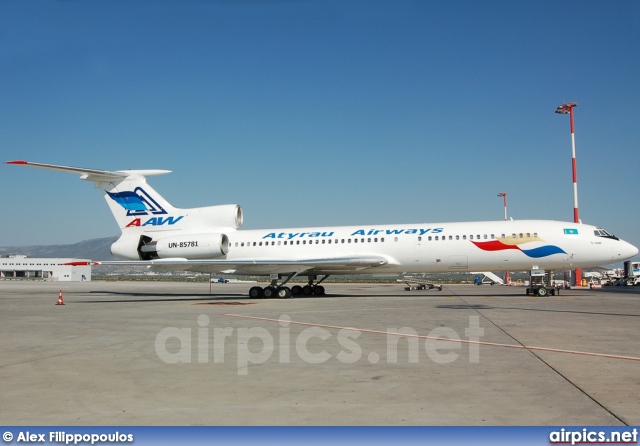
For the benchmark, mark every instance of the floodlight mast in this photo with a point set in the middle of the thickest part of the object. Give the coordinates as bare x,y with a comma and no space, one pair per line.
563,110
504,195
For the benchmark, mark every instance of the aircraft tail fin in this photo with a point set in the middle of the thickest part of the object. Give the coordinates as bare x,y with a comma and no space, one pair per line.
135,204
126,191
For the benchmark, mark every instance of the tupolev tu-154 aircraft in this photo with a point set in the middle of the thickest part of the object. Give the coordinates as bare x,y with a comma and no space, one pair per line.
208,240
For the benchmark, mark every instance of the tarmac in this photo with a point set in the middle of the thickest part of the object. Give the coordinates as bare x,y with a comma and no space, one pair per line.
152,353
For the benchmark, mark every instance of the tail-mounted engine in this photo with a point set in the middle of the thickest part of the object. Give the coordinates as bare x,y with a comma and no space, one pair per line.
191,246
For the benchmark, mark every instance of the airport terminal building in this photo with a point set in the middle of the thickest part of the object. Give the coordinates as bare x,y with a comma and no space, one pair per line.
18,267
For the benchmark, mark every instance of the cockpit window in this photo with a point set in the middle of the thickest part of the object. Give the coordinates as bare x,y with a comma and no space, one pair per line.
599,232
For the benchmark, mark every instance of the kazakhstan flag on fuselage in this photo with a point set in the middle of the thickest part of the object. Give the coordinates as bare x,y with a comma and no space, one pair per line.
571,231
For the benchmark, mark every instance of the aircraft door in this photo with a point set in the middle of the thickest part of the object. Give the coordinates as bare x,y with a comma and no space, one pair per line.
419,251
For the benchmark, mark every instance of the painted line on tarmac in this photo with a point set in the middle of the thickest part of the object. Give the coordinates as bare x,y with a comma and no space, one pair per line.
435,338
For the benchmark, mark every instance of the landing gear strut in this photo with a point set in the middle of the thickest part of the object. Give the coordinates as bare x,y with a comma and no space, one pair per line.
283,292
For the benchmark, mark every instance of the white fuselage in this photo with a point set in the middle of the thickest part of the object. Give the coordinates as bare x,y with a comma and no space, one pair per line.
437,247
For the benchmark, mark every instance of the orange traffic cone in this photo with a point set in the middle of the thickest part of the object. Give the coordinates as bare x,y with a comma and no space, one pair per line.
60,301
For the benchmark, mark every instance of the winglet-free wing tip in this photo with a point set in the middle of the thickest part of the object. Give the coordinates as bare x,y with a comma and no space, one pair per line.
17,162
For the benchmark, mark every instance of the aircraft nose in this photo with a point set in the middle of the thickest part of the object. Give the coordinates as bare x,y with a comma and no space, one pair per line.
629,251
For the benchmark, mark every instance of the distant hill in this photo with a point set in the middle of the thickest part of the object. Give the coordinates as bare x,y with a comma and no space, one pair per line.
94,249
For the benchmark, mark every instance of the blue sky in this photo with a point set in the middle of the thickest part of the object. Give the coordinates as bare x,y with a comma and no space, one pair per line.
311,113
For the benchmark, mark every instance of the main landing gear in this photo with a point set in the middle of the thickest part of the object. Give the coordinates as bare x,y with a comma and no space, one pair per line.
283,292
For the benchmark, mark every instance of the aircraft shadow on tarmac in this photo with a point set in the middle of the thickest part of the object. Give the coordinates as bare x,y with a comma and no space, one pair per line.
185,297
182,297
160,297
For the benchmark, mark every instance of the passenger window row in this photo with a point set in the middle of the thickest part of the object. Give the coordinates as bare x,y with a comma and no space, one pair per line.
311,242
430,238
521,235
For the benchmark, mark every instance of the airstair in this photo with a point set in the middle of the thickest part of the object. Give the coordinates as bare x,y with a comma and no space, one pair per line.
489,278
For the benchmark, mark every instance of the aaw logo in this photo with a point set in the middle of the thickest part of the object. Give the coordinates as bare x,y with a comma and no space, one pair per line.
137,202
155,221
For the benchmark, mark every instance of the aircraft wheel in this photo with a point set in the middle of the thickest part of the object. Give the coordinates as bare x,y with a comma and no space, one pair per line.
255,292
269,292
307,290
296,290
542,291
318,290
527,290
283,293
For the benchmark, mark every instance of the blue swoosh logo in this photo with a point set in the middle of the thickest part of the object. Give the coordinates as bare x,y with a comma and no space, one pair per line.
543,251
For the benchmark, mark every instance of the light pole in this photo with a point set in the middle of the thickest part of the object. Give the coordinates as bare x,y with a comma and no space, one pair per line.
504,196
563,110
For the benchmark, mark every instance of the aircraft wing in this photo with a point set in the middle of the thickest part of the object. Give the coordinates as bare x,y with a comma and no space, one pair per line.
264,266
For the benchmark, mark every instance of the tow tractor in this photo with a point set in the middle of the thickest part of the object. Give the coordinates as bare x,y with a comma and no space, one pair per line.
415,283
540,283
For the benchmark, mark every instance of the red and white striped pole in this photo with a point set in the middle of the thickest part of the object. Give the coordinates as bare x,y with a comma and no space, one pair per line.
507,278
564,109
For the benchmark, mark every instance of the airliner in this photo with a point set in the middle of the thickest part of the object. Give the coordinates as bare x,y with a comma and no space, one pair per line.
209,240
